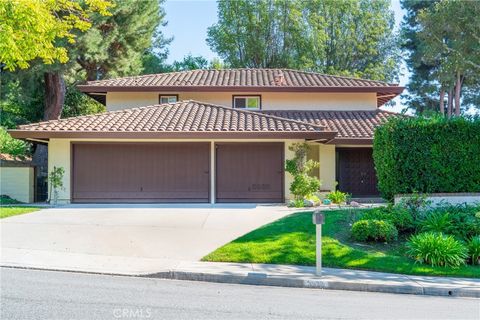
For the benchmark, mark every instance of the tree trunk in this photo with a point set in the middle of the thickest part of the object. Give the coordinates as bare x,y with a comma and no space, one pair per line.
442,102
54,95
458,90
450,103
54,100
91,75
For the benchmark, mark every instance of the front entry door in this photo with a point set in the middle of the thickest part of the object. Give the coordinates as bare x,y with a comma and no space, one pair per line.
356,172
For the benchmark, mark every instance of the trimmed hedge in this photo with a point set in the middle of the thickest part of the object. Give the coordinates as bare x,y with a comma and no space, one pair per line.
427,155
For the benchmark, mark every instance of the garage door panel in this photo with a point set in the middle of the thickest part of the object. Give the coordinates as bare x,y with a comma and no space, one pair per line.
155,172
249,172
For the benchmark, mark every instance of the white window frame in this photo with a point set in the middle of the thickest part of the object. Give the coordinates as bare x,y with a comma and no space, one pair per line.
168,96
246,97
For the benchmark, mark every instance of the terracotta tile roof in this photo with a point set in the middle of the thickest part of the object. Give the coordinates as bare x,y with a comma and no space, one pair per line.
7,160
239,78
181,117
245,79
348,124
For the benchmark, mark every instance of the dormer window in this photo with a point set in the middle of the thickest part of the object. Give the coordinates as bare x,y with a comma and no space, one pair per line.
247,102
168,98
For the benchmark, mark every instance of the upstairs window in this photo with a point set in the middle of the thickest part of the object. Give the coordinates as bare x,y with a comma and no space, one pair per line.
247,102
168,98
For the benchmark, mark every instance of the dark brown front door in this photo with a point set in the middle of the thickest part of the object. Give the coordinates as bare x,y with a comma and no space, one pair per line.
356,172
141,172
249,172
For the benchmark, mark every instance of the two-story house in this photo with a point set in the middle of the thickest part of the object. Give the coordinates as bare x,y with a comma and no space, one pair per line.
215,136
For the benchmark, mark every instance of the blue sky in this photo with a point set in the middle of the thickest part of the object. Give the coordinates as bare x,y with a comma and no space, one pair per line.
188,21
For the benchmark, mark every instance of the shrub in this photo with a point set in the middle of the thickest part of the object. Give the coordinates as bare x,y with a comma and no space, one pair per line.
11,146
416,204
464,222
303,184
437,249
410,155
314,198
297,203
337,196
4,199
436,222
399,216
474,249
374,230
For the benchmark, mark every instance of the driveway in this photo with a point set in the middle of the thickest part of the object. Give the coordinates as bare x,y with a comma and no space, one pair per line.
125,239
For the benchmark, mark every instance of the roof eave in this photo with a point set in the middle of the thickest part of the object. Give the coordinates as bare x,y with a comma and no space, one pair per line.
351,141
98,89
42,134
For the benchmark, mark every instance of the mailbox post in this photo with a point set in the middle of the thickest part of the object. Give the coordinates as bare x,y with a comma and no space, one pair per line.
318,219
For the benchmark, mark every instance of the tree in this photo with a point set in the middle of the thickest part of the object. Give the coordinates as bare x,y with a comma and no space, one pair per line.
190,62
257,34
113,46
450,35
116,45
11,146
41,29
352,38
154,64
55,179
441,41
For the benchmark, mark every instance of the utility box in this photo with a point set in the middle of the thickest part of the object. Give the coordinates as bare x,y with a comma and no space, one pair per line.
318,217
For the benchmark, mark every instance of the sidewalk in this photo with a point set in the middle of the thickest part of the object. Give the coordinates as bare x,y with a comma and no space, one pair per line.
241,273
252,274
334,279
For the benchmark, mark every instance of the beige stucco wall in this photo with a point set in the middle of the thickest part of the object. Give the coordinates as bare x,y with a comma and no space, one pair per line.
59,155
17,183
327,166
270,100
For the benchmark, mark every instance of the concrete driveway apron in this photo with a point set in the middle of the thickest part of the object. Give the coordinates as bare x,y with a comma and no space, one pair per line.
126,239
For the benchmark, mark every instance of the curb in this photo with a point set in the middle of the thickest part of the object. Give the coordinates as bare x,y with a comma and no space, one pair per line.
263,279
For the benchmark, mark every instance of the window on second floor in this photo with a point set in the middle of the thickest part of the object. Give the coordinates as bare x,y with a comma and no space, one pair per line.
168,98
247,102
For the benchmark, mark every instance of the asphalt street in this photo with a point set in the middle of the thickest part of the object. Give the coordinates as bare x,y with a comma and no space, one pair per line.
34,294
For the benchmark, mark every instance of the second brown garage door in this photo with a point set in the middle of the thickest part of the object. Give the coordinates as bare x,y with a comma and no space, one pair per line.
249,172
141,172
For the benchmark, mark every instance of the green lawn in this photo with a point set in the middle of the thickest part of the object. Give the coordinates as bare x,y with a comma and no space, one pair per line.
9,211
291,240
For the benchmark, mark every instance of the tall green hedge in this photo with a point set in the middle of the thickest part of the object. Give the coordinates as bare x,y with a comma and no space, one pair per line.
427,155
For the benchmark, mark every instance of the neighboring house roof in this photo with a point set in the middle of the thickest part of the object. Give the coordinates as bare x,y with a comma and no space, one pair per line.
258,80
7,160
185,119
352,126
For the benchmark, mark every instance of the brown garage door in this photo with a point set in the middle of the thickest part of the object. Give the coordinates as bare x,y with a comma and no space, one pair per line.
147,172
249,172
356,172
